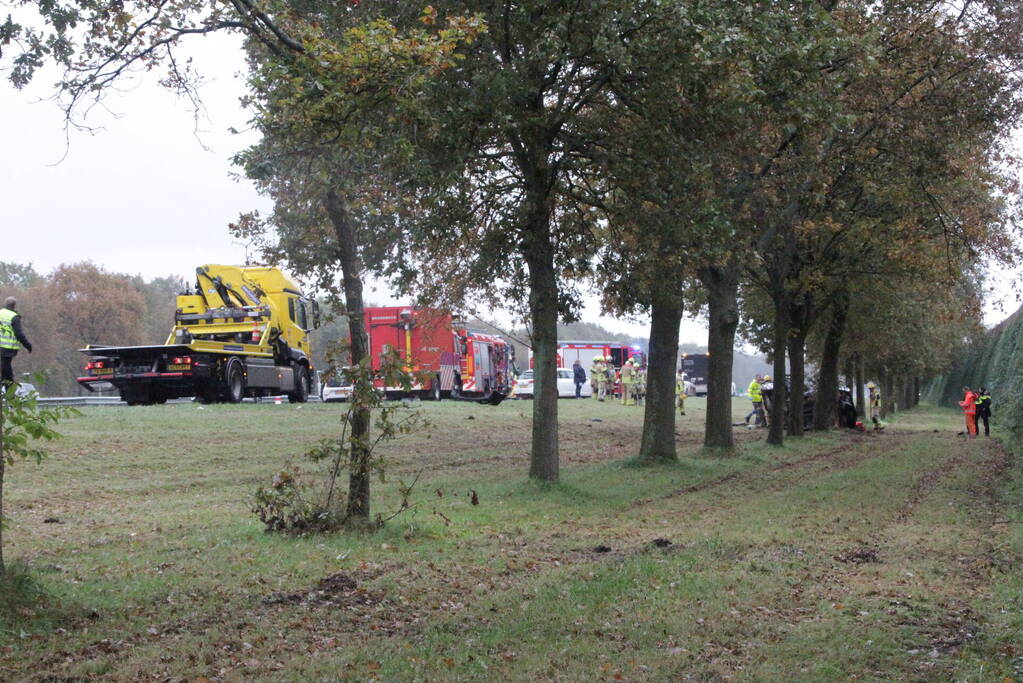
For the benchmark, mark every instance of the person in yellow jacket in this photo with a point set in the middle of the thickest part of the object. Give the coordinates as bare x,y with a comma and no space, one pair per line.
753,391
681,391
11,338
628,377
874,397
597,370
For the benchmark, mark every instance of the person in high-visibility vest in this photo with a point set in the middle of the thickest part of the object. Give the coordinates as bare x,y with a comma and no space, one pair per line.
753,391
680,391
628,376
984,410
11,337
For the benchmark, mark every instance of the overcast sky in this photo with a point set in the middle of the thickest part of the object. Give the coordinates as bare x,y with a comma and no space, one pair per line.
149,194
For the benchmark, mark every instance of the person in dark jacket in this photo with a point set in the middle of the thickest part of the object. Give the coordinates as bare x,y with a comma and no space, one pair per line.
11,335
984,410
579,377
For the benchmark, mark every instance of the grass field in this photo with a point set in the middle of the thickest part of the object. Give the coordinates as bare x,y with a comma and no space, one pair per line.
839,556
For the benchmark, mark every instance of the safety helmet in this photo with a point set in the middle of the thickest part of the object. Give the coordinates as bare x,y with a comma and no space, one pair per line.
871,385
767,378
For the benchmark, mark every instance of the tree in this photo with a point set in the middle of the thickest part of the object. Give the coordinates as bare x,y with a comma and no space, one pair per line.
498,213
17,276
691,138
91,306
335,120
917,90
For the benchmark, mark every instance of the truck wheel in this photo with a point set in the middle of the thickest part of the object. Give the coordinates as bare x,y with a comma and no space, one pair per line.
234,381
435,388
301,393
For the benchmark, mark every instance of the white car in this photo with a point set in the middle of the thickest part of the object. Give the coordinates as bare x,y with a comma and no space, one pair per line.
335,388
566,385
24,389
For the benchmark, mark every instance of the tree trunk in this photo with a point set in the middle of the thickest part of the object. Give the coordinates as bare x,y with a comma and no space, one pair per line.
886,394
826,409
916,391
658,442
861,400
358,505
797,361
776,433
543,309
721,284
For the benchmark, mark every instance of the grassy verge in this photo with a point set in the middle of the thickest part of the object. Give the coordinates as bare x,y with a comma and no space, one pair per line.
839,555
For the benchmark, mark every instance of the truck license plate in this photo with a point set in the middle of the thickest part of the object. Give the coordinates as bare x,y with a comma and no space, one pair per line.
179,367
103,371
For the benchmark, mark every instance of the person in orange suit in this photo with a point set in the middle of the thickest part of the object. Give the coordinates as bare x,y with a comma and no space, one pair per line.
969,405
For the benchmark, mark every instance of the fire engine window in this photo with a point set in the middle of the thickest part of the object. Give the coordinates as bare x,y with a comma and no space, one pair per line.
291,308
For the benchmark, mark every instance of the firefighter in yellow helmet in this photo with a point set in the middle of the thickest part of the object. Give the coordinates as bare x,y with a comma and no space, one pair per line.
628,376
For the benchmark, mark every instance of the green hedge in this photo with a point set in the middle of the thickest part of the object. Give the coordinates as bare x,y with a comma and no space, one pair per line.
995,361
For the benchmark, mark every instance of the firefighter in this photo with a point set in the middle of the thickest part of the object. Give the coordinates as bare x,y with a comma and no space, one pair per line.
874,396
753,390
628,383
680,391
11,335
607,379
984,410
640,384
596,373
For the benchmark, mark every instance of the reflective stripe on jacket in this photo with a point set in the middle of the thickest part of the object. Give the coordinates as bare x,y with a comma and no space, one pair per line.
7,338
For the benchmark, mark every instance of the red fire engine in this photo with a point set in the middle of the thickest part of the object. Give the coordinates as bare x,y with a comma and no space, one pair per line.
458,363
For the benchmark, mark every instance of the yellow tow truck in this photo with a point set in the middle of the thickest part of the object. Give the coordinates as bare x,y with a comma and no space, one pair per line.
243,331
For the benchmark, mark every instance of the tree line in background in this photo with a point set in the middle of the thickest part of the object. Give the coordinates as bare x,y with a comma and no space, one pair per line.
824,178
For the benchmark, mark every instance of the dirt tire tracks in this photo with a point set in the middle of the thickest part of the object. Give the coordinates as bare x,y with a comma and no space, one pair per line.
754,473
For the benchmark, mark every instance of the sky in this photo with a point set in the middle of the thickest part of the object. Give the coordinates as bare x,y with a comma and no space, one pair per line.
150,191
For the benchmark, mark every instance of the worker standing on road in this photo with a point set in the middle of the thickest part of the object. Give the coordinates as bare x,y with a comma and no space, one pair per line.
680,391
984,410
596,377
11,335
628,383
969,405
579,377
753,390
